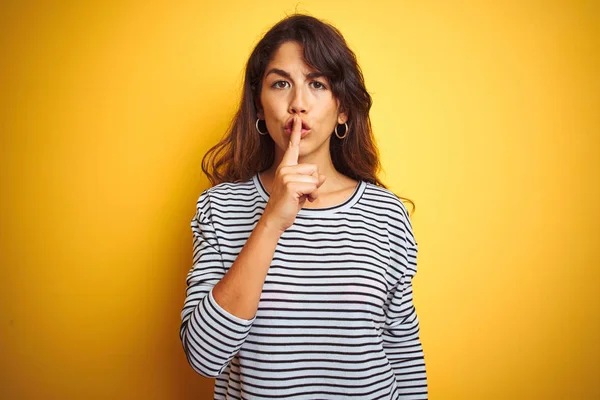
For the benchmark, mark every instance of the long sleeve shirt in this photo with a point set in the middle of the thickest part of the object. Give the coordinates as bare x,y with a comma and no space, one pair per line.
336,318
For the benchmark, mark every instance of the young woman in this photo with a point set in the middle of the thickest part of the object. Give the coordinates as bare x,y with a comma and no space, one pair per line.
301,280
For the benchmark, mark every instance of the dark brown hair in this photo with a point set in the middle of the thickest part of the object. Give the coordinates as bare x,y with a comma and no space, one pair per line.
243,152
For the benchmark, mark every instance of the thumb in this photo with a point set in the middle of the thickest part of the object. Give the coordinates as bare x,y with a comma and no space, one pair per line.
321,180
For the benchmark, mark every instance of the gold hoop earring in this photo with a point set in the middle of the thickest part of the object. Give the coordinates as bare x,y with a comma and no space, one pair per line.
345,131
259,131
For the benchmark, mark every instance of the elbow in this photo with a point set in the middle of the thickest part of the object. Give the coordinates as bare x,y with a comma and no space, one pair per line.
200,360
201,369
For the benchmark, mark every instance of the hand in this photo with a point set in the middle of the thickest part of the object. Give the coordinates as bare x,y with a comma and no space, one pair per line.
293,184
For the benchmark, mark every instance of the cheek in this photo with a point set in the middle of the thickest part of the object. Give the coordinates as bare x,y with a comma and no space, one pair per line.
327,103
270,104
329,113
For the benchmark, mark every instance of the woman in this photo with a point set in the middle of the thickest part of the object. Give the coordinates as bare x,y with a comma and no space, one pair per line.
289,298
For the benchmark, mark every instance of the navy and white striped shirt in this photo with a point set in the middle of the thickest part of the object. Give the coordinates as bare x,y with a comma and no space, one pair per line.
336,318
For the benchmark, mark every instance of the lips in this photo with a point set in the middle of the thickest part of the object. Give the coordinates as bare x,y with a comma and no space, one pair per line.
290,124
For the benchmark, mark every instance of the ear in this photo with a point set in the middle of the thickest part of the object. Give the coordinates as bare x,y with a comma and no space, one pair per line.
259,113
342,116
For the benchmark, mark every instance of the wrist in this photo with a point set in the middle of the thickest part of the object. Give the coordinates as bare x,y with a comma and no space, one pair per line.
264,226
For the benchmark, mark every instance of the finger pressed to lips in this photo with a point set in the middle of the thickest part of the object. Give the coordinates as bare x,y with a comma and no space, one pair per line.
297,123
296,131
292,122
291,154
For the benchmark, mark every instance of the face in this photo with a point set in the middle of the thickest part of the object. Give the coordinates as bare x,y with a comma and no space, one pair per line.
290,87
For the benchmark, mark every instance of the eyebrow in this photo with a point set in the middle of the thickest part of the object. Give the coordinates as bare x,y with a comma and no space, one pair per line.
314,74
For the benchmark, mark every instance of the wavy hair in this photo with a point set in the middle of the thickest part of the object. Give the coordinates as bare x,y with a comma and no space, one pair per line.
242,152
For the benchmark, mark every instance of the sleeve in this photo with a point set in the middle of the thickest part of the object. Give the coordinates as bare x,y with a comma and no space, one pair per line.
400,333
210,336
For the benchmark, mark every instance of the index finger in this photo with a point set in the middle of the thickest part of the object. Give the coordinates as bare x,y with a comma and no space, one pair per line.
290,157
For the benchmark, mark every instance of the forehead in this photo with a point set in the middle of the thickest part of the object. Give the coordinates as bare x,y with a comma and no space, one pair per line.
289,55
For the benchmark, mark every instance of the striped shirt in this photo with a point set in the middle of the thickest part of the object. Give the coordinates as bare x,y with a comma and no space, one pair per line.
335,319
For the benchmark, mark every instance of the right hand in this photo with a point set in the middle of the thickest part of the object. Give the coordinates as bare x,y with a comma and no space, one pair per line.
293,184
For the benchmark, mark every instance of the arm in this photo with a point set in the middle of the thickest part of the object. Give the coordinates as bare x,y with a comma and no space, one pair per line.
219,307
400,332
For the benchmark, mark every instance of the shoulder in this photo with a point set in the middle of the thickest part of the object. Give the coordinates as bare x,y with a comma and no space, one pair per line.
227,188
223,193
388,200
394,209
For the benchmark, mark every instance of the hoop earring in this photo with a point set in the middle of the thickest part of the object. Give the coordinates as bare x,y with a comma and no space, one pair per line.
259,131
345,131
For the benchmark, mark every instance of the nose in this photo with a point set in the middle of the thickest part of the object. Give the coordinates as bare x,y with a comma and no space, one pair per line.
298,102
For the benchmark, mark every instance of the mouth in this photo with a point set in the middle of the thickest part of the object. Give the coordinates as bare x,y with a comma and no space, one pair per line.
289,126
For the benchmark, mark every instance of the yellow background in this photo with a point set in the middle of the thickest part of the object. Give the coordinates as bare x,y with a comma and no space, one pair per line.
486,114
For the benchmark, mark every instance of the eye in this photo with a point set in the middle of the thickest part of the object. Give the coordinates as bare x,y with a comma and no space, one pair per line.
277,85
319,85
